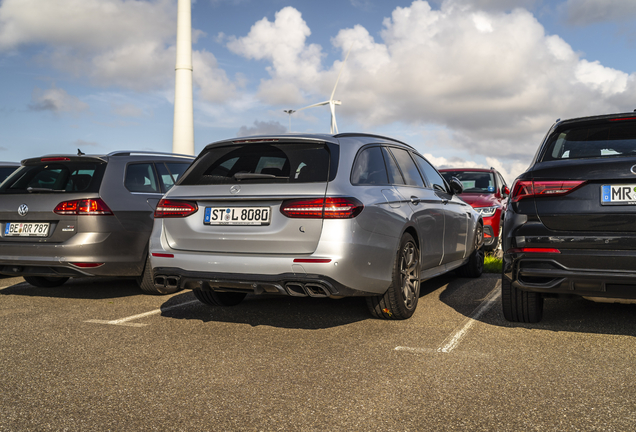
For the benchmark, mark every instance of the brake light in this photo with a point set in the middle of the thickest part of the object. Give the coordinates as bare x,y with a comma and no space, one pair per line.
312,260
91,207
533,250
87,265
54,159
543,188
168,208
322,208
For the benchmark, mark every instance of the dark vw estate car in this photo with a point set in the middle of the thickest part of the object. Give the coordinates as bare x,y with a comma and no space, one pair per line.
73,216
313,215
487,192
570,227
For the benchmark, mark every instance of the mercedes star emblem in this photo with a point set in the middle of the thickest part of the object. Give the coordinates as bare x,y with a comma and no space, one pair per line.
234,189
633,170
23,210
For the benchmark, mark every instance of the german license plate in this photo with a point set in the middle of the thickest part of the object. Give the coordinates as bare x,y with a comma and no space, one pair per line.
624,194
27,229
237,216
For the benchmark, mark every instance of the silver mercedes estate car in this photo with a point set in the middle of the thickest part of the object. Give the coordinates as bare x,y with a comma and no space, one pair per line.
66,216
313,215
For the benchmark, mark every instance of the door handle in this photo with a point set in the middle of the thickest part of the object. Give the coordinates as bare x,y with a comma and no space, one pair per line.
415,200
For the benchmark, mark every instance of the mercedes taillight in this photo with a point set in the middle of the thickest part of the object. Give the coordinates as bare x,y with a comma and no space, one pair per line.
168,208
322,208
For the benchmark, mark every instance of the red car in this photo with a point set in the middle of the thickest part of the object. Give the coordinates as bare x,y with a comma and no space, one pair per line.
486,191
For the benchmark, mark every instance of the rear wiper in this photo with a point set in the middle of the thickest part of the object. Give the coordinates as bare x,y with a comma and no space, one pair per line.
32,189
246,176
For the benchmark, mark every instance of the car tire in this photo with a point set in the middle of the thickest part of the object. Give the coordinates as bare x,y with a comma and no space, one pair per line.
45,282
519,305
475,265
400,300
147,285
214,298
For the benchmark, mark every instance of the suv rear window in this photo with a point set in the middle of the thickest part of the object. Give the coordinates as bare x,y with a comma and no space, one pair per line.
591,141
54,177
264,163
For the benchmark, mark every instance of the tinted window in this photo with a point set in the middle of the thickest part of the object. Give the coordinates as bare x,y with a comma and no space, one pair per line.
169,173
409,170
616,139
395,176
474,181
5,172
433,177
141,178
264,163
369,168
54,177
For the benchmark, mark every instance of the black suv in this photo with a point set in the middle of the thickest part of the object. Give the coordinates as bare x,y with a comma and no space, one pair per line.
81,215
570,225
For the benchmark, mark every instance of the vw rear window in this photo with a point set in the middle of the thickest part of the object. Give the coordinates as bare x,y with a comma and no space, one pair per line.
54,178
263,163
593,141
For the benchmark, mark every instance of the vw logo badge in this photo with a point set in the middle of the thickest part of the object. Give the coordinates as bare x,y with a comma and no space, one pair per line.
23,210
633,170
234,189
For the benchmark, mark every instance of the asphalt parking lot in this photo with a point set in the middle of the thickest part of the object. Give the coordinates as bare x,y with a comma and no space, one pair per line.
99,355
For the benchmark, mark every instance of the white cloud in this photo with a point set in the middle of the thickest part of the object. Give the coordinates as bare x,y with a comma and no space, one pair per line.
262,128
114,43
495,80
56,100
585,12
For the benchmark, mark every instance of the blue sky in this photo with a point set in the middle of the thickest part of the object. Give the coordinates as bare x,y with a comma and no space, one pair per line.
466,82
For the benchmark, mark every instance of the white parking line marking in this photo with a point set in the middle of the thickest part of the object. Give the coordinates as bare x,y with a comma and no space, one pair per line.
452,341
124,321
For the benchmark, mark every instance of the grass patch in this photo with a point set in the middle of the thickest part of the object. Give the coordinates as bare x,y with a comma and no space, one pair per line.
492,264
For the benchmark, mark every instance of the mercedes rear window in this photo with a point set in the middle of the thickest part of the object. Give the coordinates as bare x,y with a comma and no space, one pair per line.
264,163
54,178
617,138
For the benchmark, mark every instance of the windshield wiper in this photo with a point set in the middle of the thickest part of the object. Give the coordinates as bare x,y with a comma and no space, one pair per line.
32,189
247,176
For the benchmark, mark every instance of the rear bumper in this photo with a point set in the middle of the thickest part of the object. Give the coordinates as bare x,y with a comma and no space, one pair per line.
291,284
573,272
122,254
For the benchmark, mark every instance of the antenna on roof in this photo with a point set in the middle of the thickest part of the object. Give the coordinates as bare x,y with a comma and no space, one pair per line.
80,153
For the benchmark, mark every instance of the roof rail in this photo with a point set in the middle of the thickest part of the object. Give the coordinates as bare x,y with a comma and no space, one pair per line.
141,152
354,134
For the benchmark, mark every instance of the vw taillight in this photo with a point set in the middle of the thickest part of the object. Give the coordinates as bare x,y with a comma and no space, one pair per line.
92,207
168,208
543,188
322,208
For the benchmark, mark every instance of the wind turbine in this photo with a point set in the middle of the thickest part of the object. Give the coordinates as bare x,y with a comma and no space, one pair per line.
331,102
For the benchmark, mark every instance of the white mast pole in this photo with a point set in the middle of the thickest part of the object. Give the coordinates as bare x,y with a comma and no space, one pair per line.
183,132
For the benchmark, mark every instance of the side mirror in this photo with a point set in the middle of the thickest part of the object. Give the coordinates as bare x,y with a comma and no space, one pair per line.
505,191
456,186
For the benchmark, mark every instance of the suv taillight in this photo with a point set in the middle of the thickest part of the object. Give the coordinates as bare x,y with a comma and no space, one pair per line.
322,208
168,208
92,207
543,188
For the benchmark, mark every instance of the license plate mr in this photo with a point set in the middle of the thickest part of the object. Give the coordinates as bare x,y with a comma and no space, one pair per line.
624,194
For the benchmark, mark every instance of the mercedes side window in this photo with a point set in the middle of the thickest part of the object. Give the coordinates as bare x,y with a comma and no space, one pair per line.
395,176
141,177
434,178
409,170
369,168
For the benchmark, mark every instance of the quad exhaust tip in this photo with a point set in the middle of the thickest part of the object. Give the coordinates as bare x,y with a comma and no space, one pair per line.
298,289
167,281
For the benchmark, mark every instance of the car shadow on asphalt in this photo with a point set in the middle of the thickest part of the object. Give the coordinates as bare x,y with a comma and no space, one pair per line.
76,288
574,314
282,311
275,311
